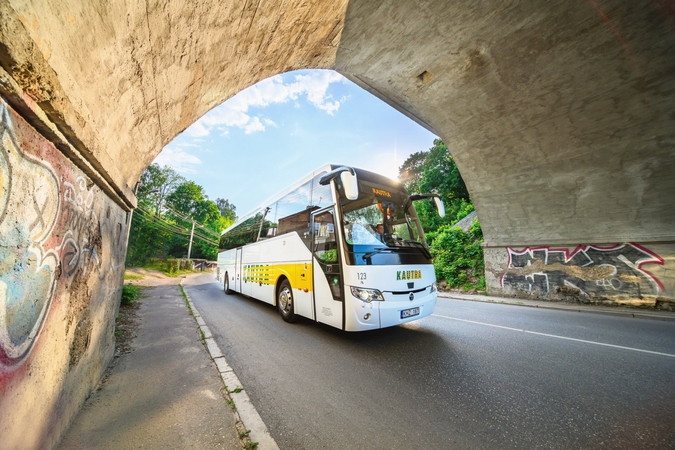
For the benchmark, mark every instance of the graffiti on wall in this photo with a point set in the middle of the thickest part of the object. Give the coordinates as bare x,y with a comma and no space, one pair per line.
586,270
29,204
81,244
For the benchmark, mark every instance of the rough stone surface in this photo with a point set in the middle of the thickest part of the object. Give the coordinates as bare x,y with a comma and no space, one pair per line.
558,114
62,249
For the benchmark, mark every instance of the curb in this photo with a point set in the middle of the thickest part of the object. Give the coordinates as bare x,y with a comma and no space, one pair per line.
243,409
637,314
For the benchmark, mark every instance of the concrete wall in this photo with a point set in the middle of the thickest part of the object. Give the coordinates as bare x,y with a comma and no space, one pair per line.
559,115
62,248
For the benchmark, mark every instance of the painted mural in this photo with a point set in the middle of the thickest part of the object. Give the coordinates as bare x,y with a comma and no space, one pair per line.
29,205
589,271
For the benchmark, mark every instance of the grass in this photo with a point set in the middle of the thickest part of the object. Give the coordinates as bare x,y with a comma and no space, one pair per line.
132,276
186,300
250,445
130,294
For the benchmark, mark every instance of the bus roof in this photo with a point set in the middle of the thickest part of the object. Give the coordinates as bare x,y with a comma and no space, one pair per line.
361,174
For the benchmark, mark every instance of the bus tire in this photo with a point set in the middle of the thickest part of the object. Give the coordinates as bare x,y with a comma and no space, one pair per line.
226,283
285,302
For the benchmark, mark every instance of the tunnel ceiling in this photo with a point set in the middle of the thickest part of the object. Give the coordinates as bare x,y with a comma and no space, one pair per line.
559,114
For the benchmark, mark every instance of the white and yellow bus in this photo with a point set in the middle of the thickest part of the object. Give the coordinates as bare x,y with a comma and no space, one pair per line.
313,251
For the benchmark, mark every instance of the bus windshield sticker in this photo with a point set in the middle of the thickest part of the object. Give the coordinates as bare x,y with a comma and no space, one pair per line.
381,193
408,274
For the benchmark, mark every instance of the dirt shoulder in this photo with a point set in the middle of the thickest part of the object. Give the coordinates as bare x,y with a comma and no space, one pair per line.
149,277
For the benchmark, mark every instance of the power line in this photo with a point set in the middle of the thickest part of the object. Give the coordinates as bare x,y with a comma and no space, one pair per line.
163,225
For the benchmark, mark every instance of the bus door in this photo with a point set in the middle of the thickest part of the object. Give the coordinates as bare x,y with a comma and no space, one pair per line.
326,273
237,271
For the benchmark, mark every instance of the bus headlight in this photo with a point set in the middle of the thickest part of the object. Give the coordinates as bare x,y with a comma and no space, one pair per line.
367,295
433,287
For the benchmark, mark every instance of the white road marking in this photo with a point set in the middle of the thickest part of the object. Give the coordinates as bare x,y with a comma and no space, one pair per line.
556,336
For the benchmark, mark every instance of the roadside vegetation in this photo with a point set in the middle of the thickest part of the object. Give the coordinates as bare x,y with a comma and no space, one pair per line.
168,206
457,254
130,294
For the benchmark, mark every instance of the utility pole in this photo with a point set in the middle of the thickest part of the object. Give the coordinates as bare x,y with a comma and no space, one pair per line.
192,233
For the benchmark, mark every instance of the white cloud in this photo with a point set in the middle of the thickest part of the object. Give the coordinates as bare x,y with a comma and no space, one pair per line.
315,86
197,129
235,111
178,159
253,126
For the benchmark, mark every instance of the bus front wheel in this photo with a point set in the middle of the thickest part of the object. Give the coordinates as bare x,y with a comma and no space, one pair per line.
285,302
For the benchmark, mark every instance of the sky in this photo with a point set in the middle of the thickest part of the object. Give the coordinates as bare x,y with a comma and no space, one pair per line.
272,134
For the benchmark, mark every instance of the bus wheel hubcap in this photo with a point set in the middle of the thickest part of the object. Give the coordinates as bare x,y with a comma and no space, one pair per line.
285,299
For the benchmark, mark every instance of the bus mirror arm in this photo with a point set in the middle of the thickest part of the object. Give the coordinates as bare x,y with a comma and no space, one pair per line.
440,207
347,176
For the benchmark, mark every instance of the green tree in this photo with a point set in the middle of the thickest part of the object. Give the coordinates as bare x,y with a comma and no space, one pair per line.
149,237
156,184
167,206
189,202
410,172
435,171
227,209
457,255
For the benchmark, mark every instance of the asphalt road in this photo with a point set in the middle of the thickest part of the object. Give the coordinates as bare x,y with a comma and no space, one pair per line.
473,375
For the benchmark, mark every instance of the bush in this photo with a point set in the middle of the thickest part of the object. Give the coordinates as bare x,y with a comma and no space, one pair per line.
129,294
176,266
458,256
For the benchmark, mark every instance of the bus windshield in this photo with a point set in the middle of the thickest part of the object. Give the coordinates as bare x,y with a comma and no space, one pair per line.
402,240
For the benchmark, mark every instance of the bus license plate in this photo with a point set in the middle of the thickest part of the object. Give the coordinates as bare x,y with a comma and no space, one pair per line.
410,312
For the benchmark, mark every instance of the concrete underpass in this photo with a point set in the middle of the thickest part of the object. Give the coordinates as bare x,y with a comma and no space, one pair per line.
558,114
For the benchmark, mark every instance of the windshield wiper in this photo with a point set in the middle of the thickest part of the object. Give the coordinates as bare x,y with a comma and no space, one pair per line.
376,251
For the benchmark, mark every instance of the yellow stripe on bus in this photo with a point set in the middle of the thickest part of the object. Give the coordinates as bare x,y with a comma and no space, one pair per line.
298,274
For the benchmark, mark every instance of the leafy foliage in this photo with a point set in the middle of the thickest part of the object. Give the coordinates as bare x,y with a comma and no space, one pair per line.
458,255
169,207
436,171
227,209
129,294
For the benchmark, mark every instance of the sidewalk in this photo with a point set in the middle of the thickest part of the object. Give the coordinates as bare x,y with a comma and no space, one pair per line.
165,393
566,306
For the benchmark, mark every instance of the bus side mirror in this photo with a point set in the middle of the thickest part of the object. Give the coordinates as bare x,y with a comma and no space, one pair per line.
350,185
348,178
440,207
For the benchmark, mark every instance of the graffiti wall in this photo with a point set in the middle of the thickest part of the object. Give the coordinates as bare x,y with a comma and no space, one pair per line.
627,273
62,248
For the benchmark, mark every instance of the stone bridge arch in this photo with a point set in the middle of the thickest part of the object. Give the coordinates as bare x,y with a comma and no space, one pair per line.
559,115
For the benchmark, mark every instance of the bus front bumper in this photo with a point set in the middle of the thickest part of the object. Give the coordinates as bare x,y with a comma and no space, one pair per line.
398,309
395,310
